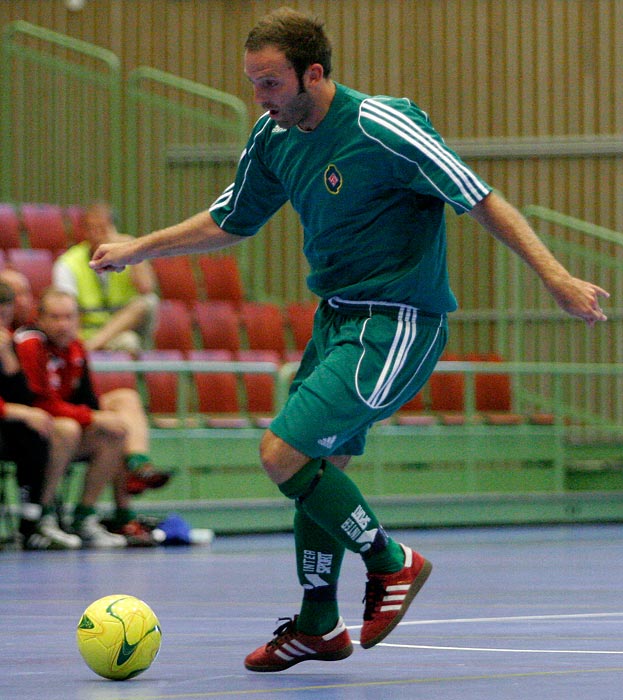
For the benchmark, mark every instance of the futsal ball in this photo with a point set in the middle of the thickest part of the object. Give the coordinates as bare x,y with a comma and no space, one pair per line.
118,636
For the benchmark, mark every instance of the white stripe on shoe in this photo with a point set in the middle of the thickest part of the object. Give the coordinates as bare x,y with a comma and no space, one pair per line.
295,648
339,628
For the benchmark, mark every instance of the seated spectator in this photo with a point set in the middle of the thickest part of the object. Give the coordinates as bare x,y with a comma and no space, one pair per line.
24,311
117,310
55,363
39,445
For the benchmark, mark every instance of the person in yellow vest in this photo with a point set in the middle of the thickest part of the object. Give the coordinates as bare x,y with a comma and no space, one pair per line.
117,311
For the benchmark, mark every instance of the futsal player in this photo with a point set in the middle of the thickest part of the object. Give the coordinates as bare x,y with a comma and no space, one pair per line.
369,178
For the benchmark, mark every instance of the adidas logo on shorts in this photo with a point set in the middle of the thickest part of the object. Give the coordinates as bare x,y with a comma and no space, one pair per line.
327,442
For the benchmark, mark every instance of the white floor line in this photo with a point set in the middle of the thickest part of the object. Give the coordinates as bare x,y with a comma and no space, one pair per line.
505,650
513,618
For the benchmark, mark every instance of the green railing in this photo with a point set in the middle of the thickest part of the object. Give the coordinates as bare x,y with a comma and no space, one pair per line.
157,146
62,106
556,395
60,111
183,135
415,475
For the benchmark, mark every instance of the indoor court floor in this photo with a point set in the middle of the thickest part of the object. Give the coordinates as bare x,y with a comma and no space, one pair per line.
525,613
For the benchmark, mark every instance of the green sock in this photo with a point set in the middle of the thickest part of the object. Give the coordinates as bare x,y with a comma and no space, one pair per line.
333,501
136,460
81,512
122,517
318,561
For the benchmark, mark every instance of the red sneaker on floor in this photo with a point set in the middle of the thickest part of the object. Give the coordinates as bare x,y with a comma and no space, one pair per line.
388,597
290,647
145,477
137,535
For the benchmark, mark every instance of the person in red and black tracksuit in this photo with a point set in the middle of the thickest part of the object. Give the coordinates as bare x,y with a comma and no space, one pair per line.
38,444
114,434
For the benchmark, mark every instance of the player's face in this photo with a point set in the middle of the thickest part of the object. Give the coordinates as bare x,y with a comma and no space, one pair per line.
23,303
277,88
59,320
99,227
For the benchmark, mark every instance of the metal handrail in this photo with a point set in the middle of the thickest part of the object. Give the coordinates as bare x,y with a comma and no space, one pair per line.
111,79
555,217
283,373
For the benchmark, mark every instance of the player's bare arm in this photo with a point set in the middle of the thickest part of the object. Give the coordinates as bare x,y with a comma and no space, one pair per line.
575,296
198,234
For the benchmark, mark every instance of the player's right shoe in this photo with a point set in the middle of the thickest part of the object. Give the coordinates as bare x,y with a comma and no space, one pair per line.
388,597
96,536
290,647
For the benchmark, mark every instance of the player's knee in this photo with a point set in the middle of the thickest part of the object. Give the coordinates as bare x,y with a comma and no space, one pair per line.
123,398
68,430
280,460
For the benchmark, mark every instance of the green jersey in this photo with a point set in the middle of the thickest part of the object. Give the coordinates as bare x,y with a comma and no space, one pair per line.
370,184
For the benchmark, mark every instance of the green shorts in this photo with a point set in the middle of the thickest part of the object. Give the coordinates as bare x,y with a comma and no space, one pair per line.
364,361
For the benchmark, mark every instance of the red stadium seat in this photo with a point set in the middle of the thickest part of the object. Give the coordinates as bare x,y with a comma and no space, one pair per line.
260,388
300,316
45,226
163,389
173,329
414,413
493,393
103,382
36,264
447,394
264,325
218,392
221,278
176,279
74,215
9,228
219,325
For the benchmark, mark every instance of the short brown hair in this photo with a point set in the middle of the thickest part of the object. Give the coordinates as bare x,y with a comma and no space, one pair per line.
301,38
53,293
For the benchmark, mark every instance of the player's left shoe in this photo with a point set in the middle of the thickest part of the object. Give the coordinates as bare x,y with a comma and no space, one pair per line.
388,597
290,647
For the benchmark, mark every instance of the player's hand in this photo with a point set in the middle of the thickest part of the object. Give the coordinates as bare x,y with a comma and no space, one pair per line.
580,298
113,257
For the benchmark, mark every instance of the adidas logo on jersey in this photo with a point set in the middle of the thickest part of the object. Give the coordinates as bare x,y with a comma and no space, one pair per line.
278,129
327,442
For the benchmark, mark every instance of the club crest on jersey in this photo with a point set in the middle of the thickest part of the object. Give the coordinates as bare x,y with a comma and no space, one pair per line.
333,179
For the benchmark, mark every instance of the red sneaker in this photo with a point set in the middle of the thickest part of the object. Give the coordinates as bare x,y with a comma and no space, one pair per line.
145,477
137,535
388,597
290,647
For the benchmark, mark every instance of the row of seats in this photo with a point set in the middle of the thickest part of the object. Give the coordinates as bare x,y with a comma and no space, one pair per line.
219,399
41,226
34,235
220,275
218,325
228,399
